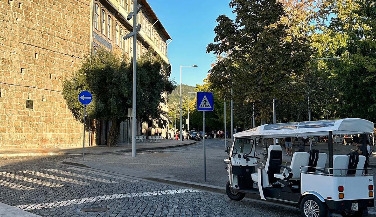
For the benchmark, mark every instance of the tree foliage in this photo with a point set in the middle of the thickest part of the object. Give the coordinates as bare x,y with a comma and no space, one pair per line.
315,57
357,75
109,79
255,59
151,83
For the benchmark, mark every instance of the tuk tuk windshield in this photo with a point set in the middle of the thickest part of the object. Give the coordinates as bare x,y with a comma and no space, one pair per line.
243,145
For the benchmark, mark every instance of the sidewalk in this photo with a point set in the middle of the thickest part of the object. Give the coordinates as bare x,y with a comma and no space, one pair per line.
8,152
142,146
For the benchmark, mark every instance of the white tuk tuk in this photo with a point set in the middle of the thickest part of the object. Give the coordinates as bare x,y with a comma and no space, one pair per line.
318,183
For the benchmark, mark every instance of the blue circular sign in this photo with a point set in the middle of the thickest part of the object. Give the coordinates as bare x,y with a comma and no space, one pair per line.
85,97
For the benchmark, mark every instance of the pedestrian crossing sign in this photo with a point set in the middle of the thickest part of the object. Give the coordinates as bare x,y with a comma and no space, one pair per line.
205,101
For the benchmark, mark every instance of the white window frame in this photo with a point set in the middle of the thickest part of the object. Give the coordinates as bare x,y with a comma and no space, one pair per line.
127,42
109,23
117,41
103,23
96,16
126,6
121,38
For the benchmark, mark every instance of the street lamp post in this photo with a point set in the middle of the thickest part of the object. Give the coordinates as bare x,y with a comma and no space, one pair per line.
175,124
274,113
308,103
309,109
232,117
188,111
134,116
253,115
181,118
136,29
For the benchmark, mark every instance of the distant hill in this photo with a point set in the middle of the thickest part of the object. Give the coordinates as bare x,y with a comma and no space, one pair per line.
175,95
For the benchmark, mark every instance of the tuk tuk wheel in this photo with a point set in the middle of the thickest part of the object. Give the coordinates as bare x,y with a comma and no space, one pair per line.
233,195
311,206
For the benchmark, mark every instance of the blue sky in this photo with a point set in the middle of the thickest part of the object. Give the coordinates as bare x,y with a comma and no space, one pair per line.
190,24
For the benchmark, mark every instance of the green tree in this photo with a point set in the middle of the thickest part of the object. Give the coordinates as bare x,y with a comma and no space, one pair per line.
151,84
255,58
109,79
174,104
357,75
105,76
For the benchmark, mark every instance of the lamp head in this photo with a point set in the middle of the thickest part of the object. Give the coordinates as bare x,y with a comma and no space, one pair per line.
194,66
130,16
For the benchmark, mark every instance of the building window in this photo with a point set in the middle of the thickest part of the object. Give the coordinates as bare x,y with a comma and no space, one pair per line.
130,6
164,48
117,36
152,34
103,27
127,5
29,104
126,42
138,48
121,38
149,27
96,16
109,27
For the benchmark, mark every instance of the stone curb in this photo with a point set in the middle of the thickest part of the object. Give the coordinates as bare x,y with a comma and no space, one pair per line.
89,150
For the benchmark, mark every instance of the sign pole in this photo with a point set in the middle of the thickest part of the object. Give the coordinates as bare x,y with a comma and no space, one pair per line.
83,141
224,120
205,102
84,98
203,142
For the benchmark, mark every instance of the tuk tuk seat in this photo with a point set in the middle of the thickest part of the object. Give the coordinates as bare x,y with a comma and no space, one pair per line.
299,160
340,165
321,162
360,166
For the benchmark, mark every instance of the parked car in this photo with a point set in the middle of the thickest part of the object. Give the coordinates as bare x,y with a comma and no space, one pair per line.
194,135
202,133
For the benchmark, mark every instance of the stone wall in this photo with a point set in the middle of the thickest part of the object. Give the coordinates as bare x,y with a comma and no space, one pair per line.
42,42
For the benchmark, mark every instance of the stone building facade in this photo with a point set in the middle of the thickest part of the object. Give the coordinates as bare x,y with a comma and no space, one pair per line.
42,43
110,24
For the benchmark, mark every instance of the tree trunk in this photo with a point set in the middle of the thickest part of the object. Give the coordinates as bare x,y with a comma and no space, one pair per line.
114,133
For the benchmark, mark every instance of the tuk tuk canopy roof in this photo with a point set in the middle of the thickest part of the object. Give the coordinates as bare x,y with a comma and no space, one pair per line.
348,126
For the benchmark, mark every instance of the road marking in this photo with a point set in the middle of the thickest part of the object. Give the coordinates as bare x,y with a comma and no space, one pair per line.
15,186
30,180
80,176
108,178
103,173
53,177
56,204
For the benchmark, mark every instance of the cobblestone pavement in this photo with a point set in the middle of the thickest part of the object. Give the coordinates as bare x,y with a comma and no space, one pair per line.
48,187
167,182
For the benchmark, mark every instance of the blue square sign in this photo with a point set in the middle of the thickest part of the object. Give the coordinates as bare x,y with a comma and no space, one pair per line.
205,101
